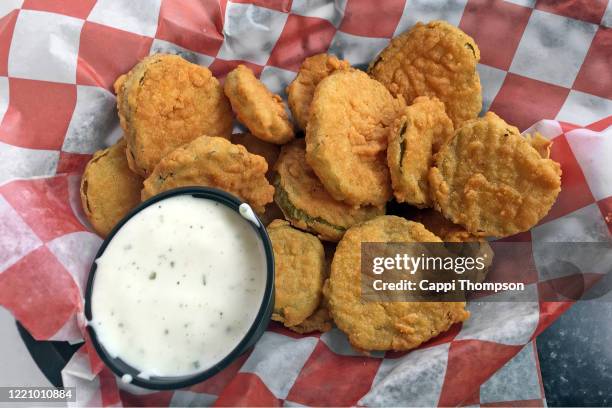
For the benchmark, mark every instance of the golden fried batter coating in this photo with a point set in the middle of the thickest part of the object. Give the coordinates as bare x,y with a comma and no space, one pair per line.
436,59
257,146
299,262
165,102
372,325
256,107
415,136
320,321
540,143
301,90
109,190
305,202
269,152
213,162
491,180
455,234
443,228
346,137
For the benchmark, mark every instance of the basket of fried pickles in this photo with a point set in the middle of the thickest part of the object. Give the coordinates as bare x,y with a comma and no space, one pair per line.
320,174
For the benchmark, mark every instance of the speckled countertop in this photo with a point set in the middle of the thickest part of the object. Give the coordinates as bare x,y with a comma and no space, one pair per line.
575,352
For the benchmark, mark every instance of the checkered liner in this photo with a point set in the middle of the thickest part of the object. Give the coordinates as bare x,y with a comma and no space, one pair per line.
544,59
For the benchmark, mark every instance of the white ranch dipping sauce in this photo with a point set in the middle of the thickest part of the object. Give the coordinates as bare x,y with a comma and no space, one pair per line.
178,286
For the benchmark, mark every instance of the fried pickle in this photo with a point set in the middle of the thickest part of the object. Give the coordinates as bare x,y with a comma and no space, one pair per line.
541,144
491,180
436,59
320,321
416,135
305,202
372,325
257,146
443,228
456,234
269,152
165,102
109,190
213,162
301,90
261,111
299,262
346,137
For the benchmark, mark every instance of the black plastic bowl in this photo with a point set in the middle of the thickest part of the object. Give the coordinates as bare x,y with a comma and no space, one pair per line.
258,327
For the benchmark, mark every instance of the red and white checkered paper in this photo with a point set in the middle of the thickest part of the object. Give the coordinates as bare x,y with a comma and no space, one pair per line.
540,60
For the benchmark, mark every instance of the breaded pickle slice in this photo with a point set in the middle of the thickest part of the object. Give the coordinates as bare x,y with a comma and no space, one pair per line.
416,135
261,111
109,190
268,151
320,320
165,102
299,262
493,181
301,90
434,59
376,325
456,235
346,137
443,228
305,202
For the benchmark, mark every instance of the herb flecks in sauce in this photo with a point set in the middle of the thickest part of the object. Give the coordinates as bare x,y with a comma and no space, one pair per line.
172,281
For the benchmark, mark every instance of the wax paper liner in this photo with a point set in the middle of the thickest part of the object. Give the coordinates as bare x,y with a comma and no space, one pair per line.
57,64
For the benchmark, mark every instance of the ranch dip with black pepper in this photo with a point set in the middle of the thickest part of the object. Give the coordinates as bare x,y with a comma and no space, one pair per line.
178,286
